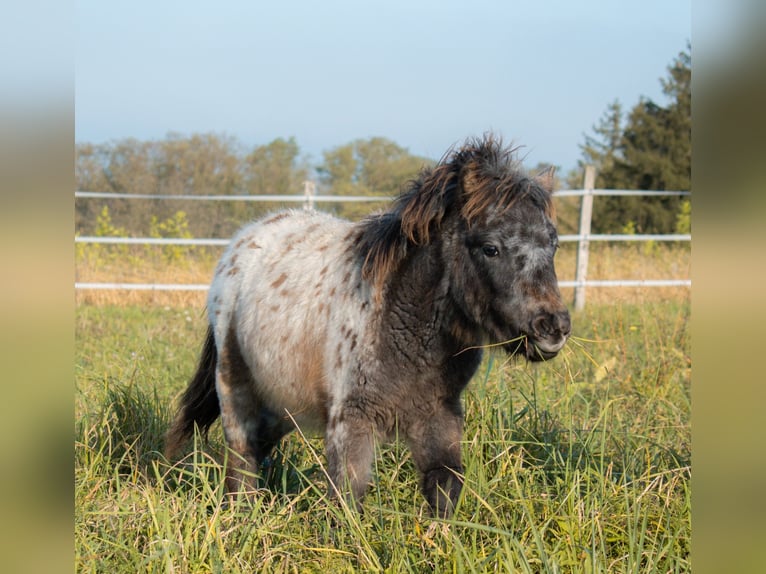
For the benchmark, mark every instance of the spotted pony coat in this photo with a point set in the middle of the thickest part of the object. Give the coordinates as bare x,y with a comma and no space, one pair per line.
358,330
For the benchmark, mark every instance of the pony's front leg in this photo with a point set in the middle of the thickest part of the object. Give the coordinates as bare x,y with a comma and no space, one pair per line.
435,444
350,450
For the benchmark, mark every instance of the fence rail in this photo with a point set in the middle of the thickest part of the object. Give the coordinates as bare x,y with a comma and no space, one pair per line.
223,242
309,198
152,241
257,198
206,286
342,198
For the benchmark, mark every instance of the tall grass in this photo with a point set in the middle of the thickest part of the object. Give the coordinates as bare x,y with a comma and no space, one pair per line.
581,464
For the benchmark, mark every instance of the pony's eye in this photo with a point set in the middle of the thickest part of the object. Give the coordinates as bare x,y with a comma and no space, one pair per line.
489,250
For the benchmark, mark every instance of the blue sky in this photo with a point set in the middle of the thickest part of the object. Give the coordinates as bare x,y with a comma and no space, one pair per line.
425,74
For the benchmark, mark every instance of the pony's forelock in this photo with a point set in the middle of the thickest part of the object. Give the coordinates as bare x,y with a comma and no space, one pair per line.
493,179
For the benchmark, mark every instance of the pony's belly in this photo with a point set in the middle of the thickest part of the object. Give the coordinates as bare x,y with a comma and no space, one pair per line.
288,402
292,391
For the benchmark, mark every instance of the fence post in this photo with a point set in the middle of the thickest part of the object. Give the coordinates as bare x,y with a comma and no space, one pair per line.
586,213
309,191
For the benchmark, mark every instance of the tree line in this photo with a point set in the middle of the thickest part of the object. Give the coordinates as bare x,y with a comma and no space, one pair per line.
647,148
211,164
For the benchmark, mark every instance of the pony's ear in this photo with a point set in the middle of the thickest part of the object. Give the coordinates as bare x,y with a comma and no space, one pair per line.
547,178
425,205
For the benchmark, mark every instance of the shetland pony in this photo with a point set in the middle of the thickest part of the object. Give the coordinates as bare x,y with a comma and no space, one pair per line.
355,330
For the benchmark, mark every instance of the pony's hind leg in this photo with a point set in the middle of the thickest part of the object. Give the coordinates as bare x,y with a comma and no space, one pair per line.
251,431
252,436
238,419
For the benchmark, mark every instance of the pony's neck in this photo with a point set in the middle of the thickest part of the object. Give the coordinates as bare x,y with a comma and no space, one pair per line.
418,307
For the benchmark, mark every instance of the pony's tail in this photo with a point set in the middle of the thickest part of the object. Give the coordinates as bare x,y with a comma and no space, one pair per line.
199,404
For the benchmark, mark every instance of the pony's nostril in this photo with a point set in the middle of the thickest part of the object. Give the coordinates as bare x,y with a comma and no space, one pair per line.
541,326
548,324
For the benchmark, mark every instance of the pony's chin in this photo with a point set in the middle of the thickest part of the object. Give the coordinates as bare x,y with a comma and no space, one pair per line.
544,350
531,350
535,353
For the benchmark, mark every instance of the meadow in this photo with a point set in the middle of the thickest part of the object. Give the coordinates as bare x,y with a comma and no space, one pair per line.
581,464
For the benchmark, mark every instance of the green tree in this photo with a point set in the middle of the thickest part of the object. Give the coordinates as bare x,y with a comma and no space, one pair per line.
338,173
201,164
601,148
375,166
652,151
275,168
385,166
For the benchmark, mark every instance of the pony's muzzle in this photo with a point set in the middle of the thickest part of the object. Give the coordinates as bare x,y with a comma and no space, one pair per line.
548,333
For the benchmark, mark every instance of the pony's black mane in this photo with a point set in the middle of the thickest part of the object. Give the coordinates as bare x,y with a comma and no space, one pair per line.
479,177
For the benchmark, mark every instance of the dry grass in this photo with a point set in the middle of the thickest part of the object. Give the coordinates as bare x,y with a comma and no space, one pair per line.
607,261
628,261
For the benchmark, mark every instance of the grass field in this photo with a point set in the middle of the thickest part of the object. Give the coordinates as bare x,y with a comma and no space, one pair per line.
577,465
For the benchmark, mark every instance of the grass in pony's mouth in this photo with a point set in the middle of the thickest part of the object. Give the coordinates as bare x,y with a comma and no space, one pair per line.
490,345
